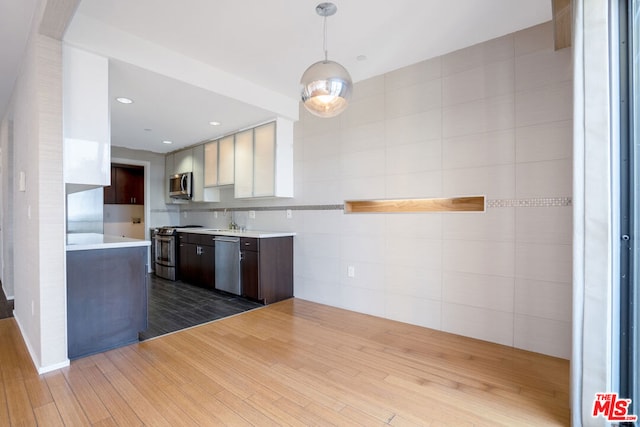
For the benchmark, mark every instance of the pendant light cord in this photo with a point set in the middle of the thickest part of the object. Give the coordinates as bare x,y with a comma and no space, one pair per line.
324,40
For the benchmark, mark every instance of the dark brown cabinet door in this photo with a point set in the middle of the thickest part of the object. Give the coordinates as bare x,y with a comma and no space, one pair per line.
206,267
187,264
249,275
110,191
196,261
127,186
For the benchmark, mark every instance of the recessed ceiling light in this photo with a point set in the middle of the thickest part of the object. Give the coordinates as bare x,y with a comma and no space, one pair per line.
167,142
214,123
124,100
361,57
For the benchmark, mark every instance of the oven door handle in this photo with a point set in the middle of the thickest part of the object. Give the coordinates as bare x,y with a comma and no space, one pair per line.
164,239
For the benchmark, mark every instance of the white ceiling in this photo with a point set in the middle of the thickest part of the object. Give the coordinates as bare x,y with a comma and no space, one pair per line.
239,62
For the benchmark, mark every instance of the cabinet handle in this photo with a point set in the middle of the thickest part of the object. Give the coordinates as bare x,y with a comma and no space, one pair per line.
247,244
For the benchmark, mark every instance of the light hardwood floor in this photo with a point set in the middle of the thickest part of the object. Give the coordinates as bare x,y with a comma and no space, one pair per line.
291,363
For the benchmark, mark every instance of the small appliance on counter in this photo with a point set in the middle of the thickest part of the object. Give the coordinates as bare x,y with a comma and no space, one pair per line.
166,250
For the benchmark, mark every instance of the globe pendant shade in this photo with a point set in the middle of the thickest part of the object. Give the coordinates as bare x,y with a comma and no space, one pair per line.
326,88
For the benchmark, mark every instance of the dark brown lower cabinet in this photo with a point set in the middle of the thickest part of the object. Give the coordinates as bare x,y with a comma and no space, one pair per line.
196,255
266,268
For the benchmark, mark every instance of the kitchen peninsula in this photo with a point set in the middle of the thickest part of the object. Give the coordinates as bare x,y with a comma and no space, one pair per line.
106,292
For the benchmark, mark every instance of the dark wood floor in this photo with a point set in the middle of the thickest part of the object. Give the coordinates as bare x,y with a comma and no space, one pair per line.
176,305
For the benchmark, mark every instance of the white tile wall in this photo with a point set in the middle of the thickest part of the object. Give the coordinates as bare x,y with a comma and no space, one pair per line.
551,178
484,324
413,99
547,141
474,150
414,310
484,115
543,335
476,290
479,257
548,262
413,158
487,81
411,185
414,281
544,104
494,224
424,126
552,225
547,300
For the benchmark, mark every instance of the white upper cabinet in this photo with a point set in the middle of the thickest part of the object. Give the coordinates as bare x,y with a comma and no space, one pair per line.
211,164
200,192
243,186
183,161
86,123
218,162
226,165
264,161
264,149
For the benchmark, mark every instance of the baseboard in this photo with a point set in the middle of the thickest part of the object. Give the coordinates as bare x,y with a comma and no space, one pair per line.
41,369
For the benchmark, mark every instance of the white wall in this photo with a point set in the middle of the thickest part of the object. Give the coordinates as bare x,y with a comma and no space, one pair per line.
38,211
118,221
493,119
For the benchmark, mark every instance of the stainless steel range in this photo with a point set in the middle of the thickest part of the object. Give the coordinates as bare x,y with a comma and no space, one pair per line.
166,251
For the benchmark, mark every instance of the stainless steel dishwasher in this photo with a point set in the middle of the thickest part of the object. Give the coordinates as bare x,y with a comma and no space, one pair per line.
227,266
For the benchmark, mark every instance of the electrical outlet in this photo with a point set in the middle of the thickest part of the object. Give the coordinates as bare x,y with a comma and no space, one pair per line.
184,214
289,214
351,271
252,214
215,214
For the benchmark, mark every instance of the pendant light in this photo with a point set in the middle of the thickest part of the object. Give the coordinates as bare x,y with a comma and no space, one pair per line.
326,85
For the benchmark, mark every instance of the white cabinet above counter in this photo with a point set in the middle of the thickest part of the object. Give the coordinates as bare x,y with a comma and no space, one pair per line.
258,162
86,123
264,161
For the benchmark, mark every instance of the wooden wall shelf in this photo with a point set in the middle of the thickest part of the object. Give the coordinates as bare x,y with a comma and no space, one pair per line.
452,204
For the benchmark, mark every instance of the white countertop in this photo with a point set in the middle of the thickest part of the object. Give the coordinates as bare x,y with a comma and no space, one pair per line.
247,233
87,241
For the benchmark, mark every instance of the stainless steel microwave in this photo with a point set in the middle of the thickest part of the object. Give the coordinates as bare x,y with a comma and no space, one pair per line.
180,186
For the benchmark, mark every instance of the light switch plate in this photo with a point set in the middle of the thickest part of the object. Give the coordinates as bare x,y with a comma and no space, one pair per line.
22,182
252,214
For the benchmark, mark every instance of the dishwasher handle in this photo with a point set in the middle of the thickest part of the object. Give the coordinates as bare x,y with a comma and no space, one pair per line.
226,239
